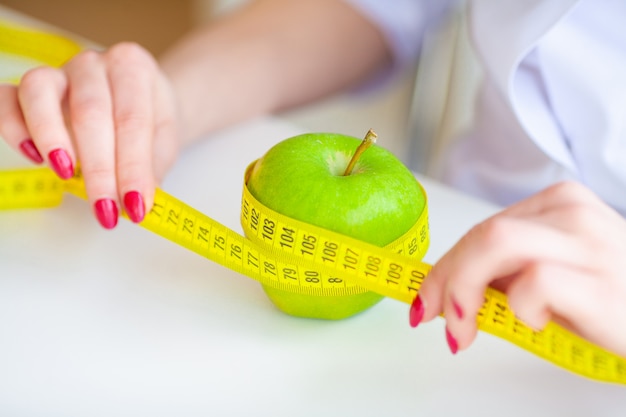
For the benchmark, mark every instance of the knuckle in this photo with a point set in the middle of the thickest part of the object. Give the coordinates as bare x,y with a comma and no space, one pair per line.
131,122
585,224
34,79
524,287
527,295
492,233
86,58
132,117
579,216
569,190
535,279
97,173
125,52
130,172
88,110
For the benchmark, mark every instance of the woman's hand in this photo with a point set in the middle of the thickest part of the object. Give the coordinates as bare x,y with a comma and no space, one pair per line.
559,255
112,111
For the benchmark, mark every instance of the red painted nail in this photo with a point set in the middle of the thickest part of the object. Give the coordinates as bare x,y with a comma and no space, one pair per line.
457,309
416,313
29,149
134,206
452,343
106,212
61,163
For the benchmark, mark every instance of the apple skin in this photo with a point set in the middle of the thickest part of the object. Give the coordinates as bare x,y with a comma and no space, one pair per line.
302,177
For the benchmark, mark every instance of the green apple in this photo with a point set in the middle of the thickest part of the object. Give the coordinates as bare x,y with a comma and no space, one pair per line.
378,201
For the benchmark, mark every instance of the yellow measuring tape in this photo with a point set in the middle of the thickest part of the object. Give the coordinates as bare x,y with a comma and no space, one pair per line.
45,47
283,253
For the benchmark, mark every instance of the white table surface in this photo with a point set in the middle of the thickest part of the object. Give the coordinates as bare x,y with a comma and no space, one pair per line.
125,323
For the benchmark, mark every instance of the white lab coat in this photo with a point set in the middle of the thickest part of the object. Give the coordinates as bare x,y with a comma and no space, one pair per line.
550,104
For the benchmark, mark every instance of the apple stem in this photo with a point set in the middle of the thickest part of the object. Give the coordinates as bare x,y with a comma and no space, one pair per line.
369,140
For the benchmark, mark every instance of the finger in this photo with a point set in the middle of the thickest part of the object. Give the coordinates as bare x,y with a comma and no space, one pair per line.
495,249
588,304
167,130
589,220
559,195
166,135
13,126
90,112
40,94
528,294
599,228
432,289
131,74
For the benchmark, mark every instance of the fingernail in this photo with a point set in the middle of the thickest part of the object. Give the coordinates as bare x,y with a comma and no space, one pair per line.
457,309
452,343
61,163
29,149
134,206
416,313
106,212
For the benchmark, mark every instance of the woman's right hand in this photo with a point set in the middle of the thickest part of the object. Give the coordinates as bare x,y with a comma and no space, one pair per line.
112,111
557,255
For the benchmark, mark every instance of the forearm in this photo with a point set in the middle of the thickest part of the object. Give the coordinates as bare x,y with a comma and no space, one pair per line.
271,55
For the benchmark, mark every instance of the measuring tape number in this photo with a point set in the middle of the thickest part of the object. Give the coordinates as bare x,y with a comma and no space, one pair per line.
273,255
